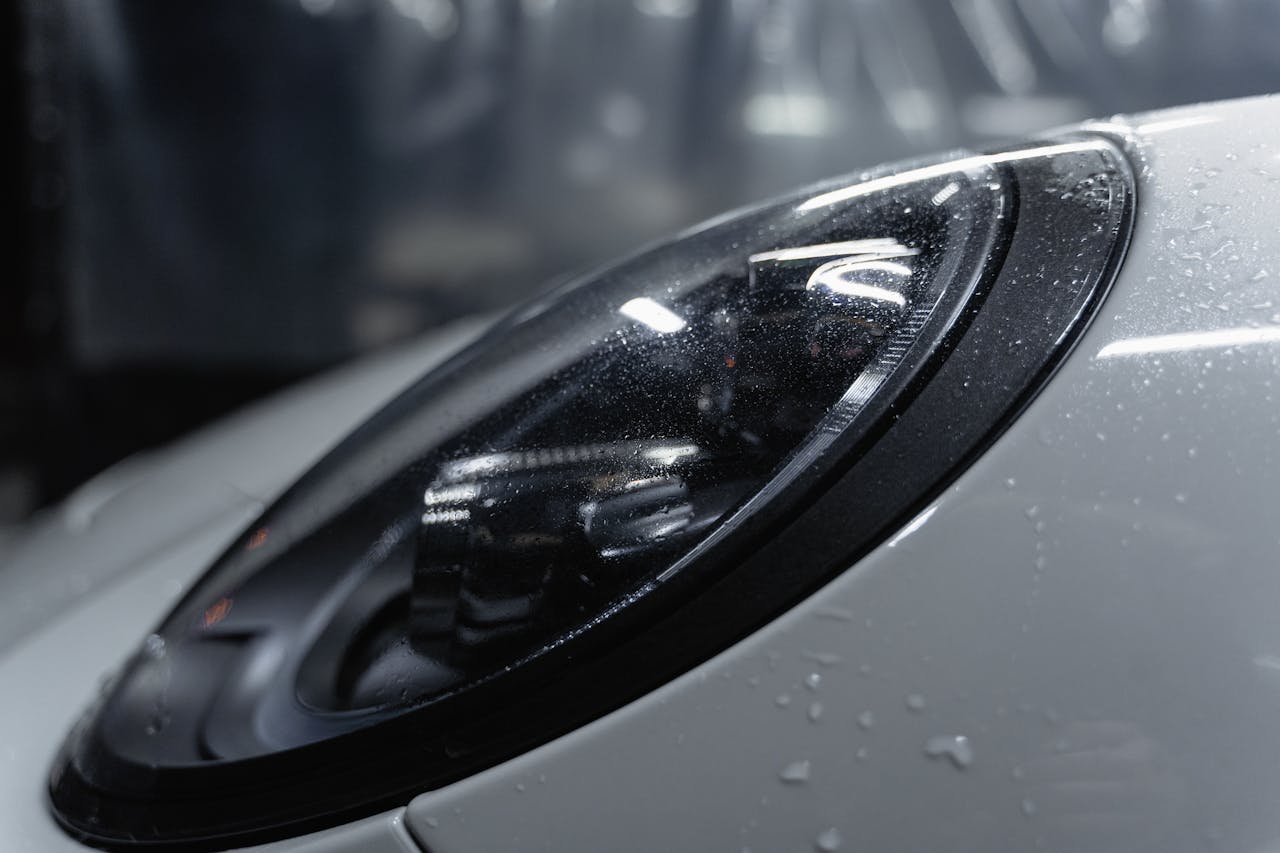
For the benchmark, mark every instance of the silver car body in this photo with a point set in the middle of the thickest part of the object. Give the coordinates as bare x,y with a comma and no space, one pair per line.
1075,647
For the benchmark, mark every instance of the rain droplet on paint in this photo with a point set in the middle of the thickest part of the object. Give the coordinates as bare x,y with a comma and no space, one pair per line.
915,702
154,647
829,841
823,658
955,748
795,773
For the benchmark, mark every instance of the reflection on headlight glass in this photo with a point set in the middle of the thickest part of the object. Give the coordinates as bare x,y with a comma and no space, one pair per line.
582,452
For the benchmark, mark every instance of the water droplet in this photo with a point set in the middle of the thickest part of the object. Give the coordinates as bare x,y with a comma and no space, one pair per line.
815,712
823,658
829,841
915,702
795,773
432,822
955,748
866,720
1033,511
813,681
1010,484
1028,807
783,700
1180,497
154,647
862,754
520,787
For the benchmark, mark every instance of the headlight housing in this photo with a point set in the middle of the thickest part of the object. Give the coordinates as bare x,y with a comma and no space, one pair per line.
624,477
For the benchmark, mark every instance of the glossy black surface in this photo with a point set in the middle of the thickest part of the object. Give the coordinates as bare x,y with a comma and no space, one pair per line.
577,508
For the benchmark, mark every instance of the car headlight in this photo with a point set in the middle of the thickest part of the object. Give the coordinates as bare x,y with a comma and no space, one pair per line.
621,479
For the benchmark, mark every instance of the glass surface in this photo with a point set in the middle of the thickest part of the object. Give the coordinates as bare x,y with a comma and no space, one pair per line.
587,449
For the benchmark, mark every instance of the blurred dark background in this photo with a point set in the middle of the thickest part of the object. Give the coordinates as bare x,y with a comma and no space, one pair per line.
211,200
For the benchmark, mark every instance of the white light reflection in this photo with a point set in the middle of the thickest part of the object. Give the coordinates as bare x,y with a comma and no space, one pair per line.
832,277
941,196
884,246
938,170
1191,341
912,526
1175,124
446,516
438,495
671,454
658,317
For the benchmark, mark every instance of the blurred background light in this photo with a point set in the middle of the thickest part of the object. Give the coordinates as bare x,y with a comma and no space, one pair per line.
214,200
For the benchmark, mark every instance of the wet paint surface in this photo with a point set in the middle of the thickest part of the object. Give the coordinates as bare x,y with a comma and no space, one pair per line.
1072,649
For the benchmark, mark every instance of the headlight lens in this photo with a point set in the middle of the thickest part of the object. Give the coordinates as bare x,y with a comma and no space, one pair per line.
593,465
